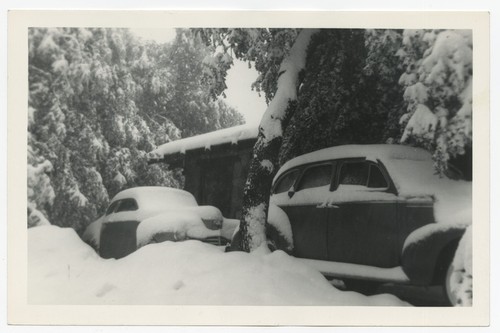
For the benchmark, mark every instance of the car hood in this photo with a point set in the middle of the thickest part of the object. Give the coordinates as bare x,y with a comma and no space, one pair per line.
204,212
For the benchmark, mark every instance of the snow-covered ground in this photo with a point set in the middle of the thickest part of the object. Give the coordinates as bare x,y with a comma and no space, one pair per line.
62,269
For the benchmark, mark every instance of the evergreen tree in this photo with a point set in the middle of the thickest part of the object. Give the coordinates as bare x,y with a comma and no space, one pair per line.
438,93
99,101
349,92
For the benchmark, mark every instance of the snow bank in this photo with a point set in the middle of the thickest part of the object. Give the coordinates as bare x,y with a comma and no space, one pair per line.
228,135
64,270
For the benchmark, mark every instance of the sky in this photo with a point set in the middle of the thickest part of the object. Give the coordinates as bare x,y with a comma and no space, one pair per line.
239,79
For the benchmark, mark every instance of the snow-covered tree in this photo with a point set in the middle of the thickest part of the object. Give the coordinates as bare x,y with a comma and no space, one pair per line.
349,92
99,101
438,93
280,56
346,91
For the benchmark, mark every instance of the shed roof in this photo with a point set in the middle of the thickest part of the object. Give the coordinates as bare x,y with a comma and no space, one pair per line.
228,135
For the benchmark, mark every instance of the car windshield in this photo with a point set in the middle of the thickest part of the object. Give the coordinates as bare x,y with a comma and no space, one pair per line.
286,181
111,207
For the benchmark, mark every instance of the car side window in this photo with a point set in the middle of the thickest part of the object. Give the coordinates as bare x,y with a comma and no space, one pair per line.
127,205
376,178
286,181
362,174
316,176
353,173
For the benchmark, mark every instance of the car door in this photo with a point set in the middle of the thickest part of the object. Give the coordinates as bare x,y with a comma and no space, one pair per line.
362,220
308,220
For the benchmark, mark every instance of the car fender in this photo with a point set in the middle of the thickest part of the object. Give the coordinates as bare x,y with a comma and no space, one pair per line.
423,251
92,234
279,229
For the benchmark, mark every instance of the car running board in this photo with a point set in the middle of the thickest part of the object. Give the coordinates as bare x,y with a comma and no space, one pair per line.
360,272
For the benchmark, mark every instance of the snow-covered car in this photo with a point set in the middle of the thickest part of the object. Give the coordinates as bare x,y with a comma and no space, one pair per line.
371,213
142,215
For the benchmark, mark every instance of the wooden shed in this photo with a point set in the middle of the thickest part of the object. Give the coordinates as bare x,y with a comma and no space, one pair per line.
215,165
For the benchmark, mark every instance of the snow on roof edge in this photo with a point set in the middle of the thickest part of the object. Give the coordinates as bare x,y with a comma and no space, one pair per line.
227,135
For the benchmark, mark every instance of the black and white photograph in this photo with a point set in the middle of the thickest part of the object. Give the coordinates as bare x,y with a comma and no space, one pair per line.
225,165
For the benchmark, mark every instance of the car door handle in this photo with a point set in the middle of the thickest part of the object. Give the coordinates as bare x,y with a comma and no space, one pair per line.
331,206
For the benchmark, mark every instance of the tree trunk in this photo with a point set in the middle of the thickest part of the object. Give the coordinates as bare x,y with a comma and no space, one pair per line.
264,164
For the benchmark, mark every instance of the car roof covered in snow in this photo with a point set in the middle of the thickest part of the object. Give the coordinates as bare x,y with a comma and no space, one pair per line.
372,152
228,135
410,168
153,195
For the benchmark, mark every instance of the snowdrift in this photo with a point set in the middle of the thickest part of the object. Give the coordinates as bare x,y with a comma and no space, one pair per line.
62,269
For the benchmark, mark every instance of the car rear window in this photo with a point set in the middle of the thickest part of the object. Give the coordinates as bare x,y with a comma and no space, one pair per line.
286,181
316,176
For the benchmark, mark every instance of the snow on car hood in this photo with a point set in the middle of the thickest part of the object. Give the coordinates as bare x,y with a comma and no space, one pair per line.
452,198
180,224
204,212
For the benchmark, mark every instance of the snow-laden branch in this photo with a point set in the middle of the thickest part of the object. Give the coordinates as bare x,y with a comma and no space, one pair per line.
287,86
264,164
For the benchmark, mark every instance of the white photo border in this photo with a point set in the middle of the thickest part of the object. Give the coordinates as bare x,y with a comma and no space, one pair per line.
19,312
